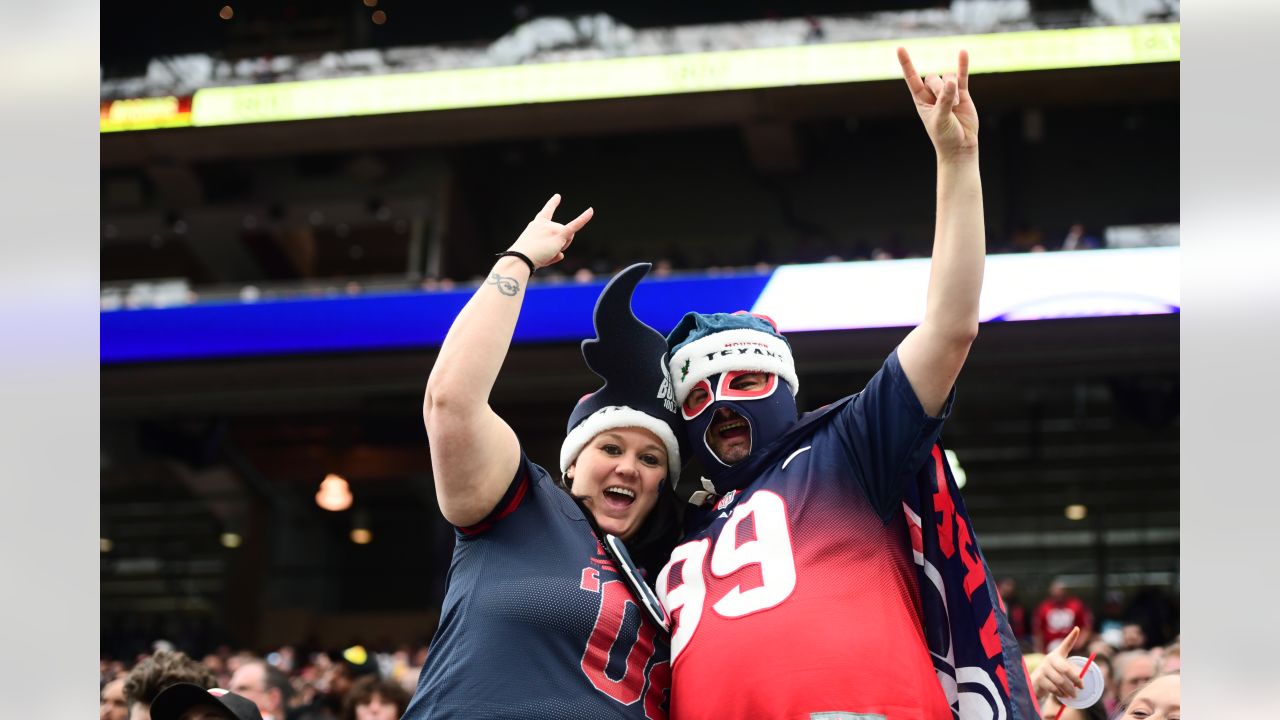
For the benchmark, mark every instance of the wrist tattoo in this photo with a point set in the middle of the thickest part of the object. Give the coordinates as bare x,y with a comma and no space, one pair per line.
506,285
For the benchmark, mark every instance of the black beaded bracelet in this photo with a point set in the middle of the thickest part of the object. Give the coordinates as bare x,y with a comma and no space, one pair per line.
522,256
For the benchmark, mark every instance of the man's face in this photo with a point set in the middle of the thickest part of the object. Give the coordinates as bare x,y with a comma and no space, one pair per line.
729,434
1133,637
140,711
250,680
1137,673
1007,587
113,706
1058,591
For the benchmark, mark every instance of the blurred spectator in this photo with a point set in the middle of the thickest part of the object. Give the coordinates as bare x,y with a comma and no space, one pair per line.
112,705
158,672
1078,239
335,679
265,685
1026,237
1008,588
1171,661
1110,623
409,678
1132,670
1159,699
218,667
1100,647
1132,637
371,698
1057,615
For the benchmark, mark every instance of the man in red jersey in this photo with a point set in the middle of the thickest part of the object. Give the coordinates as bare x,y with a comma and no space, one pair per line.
796,592
1057,615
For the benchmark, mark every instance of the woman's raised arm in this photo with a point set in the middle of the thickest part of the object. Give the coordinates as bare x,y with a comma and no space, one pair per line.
474,452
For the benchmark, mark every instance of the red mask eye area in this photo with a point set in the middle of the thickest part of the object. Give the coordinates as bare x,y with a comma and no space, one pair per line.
701,396
755,390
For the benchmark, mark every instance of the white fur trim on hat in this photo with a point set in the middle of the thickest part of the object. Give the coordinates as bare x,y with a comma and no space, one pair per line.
618,416
737,349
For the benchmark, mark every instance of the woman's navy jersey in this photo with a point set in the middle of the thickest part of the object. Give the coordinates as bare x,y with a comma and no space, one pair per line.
537,622
797,595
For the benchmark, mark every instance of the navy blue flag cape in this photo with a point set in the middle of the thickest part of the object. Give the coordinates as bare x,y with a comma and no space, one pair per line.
974,651
975,654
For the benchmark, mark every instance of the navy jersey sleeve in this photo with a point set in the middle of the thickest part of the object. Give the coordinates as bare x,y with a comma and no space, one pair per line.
887,434
516,492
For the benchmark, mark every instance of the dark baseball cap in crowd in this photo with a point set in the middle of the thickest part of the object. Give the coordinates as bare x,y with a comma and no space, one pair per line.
180,697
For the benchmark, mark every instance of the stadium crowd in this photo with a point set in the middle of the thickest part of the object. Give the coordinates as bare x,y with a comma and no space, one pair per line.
1131,644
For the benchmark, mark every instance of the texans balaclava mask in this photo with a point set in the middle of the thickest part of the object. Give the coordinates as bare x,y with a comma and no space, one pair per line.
711,351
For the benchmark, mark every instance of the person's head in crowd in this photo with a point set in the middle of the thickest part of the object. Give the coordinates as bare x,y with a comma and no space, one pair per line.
1008,587
1100,647
1132,637
1158,699
371,698
1057,590
185,701
112,705
158,672
1133,669
1171,660
1050,707
265,685
218,666
353,663
234,662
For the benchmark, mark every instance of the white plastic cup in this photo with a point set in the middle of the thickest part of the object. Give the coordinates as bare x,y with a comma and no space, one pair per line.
1092,690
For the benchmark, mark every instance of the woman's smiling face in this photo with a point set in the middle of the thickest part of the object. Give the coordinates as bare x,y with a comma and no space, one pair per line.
617,476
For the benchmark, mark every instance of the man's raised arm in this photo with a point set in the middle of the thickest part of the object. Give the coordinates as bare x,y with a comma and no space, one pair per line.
933,353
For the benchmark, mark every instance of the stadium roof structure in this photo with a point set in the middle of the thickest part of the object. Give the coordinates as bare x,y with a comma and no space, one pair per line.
557,82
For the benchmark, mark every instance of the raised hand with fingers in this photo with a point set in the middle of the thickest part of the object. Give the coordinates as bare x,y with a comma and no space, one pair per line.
545,240
945,107
1055,676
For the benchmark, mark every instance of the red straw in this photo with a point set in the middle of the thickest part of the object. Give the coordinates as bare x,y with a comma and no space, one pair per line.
1083,670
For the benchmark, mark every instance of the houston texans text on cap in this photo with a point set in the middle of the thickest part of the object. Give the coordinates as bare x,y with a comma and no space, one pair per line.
705,345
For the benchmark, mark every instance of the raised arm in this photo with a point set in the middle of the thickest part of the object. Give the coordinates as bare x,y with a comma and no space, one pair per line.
933,353
474,453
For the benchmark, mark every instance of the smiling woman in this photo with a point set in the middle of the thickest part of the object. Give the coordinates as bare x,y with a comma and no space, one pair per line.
618,477
535,615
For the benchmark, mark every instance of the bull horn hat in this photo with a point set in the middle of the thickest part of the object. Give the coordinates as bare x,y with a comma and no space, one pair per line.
631,358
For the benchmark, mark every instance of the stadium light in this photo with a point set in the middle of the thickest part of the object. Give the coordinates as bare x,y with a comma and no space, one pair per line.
1076,511
105,545
334,494
360,532
231,540
956,471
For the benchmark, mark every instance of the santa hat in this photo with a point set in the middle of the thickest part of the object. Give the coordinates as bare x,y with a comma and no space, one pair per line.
703,345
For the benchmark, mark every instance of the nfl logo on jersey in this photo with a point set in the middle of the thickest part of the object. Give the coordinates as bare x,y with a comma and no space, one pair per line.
726,500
